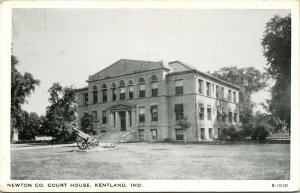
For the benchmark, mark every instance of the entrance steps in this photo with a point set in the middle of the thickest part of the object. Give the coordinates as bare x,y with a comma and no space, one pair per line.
113,136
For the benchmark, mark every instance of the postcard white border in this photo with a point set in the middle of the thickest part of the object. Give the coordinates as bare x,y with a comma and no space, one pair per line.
149,185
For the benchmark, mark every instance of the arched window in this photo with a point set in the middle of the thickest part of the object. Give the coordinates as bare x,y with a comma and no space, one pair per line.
113,91
142,91
95,94
154,85
104,92
122,89
130,89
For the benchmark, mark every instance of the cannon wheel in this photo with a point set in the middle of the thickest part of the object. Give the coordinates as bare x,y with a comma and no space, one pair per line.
82,145
92,143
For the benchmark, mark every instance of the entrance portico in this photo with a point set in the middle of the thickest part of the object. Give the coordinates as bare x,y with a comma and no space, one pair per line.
122,116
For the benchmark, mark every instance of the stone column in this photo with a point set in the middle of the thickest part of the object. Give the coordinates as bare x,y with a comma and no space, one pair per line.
111,119
127,119
118,122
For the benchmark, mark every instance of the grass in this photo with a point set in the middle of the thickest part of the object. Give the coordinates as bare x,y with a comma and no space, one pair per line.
146,161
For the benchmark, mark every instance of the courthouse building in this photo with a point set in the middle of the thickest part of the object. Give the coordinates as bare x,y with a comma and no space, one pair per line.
142,100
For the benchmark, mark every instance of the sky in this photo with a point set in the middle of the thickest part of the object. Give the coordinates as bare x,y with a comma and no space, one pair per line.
68,45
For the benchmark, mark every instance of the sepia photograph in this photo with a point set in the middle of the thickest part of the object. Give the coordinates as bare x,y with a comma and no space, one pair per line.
118,94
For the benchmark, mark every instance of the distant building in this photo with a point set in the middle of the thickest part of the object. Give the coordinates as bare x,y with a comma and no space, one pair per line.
143,100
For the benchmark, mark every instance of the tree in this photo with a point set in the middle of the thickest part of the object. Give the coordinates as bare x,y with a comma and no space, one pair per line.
21,87
184,122
249,80
31,127
276,44
61,112
88,122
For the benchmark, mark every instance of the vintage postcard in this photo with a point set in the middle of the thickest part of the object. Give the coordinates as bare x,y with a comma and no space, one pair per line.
121,96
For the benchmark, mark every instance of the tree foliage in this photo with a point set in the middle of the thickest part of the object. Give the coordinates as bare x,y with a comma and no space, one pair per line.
277,50
88,122
184,122
61,112
22,85
249,80
32,126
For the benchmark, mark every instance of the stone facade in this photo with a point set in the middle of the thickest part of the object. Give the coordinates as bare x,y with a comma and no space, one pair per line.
144,98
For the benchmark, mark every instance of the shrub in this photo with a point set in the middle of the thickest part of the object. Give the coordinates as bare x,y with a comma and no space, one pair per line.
231,133
247,130
260,133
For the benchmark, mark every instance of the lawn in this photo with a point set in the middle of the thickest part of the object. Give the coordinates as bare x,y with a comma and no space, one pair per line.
151,161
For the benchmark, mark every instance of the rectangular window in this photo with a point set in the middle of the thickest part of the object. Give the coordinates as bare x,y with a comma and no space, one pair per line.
201,112
235,117
210,133
154,134
141,135
86,99
202,133
178,87
154,113
122,93
222,92
114,94
178,109
200,86
234,97
95,96
230,116
179,134
154,89
104,95
142,92
104,120
229,95
142,114
130,92
208,88
208,112
217,92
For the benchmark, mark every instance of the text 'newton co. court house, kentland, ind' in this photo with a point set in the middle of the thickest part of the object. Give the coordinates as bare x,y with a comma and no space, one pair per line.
141,101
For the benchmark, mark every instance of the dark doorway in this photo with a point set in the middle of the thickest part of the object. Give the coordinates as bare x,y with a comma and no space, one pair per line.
202,133
123,120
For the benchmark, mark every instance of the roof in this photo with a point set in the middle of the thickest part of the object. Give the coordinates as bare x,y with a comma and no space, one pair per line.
125,67
81,89
179,67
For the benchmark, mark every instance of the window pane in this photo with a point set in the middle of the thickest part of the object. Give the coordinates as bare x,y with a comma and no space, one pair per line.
200,89
155,92
178,83
131,88
142,87
179,134
154,85
179,90
142,110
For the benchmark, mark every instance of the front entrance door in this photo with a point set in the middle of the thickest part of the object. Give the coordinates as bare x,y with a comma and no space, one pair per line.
202,133
123,120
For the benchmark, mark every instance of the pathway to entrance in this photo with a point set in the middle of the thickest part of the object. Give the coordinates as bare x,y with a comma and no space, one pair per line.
38,146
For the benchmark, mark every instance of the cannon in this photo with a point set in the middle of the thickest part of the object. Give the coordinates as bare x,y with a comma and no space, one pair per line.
85,141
